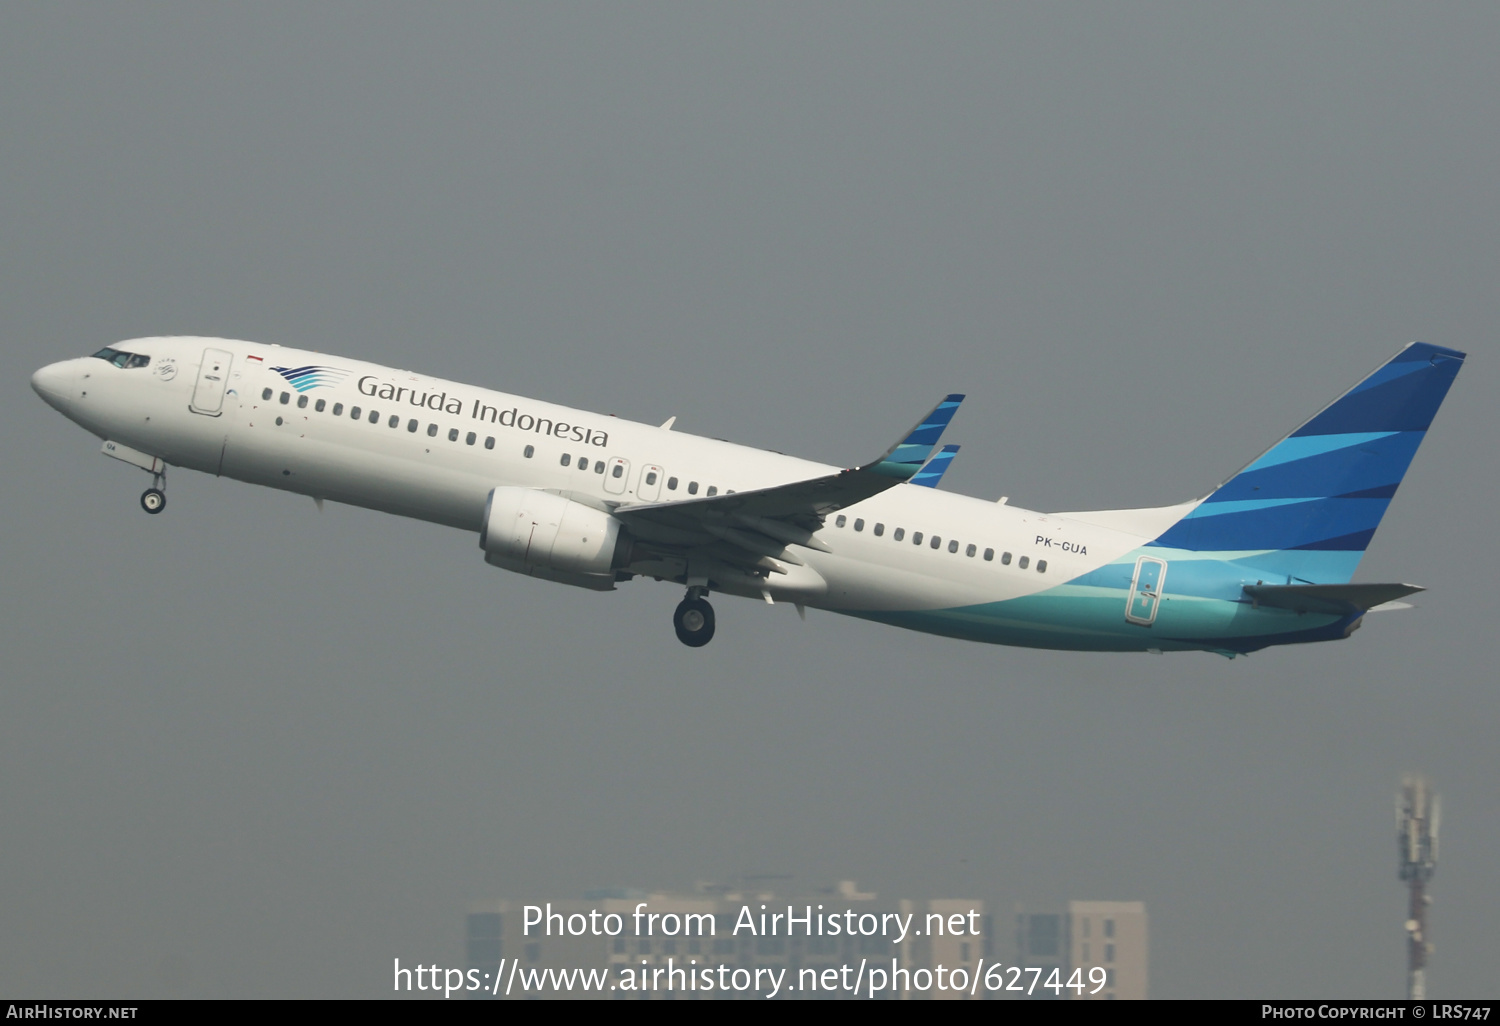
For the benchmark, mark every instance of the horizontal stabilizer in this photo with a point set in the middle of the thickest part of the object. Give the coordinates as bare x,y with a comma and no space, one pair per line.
1333,599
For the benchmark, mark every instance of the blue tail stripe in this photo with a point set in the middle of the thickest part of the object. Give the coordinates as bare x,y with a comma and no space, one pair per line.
1217,509
1308,507
1356,542
1306,524
1299,448
1350,469
1406,403
1314,566
1391,371
1380,492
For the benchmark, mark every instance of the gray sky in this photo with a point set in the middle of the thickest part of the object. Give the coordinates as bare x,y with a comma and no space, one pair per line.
247,749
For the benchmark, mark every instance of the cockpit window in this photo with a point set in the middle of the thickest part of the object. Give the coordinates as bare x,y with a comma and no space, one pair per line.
123,359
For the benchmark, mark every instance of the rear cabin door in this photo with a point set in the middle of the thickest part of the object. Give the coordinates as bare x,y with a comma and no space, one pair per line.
1145,590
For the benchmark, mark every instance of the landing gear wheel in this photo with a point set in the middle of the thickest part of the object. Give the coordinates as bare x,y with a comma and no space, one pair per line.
694,621
153,500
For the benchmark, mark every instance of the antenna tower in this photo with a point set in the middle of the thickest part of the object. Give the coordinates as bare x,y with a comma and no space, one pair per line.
1418,811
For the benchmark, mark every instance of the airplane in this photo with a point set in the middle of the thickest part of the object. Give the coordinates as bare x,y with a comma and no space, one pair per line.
565,495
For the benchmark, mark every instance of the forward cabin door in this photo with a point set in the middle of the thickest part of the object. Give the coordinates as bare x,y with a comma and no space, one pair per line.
213,376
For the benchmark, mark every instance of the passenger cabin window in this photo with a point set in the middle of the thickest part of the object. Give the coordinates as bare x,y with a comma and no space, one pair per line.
671,484
953,547
529,451
598,466
1023,562
970,551
267,393
1041,566
916,537
692,487
840,520
859,525
302,402
899,533
583,463
989,555
651,477
453,434
712,489
489,442
469,438
936,541
412,425
320,405
1005,559
286,397
338,409
619,471
879,530
395,421
432,430
374,416
567,458
354,412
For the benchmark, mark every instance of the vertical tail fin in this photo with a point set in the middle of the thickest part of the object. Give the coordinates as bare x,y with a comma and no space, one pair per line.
1308,507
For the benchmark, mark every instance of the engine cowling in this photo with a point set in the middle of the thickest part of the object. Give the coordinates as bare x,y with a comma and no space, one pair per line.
542,534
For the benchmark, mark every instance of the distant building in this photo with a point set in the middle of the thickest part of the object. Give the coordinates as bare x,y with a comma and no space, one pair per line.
1092,935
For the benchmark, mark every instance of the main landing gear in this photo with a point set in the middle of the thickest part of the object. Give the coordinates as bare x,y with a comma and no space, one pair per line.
694,619
154,499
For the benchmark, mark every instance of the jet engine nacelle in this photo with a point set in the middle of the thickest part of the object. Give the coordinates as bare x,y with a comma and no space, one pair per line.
546,535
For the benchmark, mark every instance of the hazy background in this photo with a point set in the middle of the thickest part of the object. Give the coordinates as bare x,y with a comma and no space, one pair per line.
248,749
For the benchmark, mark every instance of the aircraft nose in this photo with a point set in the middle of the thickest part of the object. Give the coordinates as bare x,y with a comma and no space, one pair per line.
52,384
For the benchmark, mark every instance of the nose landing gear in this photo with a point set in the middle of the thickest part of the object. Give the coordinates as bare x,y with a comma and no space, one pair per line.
694,619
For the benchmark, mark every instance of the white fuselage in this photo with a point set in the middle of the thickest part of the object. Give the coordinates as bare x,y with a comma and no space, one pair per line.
432,449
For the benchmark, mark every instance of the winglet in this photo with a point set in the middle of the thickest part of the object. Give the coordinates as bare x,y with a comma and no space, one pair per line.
905,458
932,473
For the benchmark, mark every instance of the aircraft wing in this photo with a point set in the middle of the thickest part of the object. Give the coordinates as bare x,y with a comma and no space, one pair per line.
764,520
